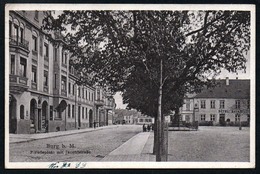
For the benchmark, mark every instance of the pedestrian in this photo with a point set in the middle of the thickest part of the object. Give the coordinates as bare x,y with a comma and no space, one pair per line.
144,128
148,128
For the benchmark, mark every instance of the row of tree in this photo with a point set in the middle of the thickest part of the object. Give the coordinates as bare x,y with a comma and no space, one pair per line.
154,57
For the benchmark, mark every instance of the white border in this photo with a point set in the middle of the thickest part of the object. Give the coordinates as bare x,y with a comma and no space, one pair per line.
99,165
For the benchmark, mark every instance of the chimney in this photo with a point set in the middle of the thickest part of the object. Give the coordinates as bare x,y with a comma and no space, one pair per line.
227,81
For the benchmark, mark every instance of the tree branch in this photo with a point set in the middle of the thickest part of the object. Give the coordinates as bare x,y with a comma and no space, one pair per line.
205,26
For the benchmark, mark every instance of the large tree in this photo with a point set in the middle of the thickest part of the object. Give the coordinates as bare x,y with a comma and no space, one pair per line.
175,49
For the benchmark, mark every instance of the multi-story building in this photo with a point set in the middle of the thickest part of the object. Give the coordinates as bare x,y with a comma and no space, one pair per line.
227,103
43,93
129,119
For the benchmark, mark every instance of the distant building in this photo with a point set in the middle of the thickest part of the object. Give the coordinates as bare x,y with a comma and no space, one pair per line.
129,119
226,104
145,120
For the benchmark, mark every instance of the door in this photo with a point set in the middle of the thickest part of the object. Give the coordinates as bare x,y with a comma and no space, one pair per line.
90,118
79,123
222,120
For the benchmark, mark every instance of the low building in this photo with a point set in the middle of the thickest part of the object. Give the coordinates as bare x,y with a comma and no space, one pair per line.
145,120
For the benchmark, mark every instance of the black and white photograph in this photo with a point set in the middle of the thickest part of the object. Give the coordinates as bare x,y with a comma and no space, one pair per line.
129,86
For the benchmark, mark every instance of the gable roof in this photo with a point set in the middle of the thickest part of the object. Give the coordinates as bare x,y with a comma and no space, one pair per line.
237,89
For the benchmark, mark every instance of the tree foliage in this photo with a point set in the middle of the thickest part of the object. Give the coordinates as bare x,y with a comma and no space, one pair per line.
123,49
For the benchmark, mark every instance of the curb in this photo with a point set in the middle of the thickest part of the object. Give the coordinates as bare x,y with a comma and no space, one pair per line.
62,135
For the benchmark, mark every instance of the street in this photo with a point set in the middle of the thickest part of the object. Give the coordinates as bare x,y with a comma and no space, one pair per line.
210,144
88,146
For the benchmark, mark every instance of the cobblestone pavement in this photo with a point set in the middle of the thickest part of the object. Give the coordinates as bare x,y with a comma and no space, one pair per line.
210,144
88,146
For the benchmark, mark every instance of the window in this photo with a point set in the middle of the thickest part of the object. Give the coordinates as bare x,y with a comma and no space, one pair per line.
89,95
66,56
69,87
212,104
13,64
55,54
86,113
203,104
36,16
34,43
45,78
82,112
55,81
34,74
21,35
63,83
188,105
82,92
141,120
46,50
16,31
212,117
69,110
202,117
78,91
98,94
222,104
51,112
73,89
237,117
22,111
237,104
73,111
10,28
86,94
22,67
92,97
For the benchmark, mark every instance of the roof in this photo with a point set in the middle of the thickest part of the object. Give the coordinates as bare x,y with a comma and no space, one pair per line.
237,89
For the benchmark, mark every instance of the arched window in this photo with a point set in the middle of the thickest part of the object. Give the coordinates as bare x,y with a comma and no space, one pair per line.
16,30
22,112
35,41
21,33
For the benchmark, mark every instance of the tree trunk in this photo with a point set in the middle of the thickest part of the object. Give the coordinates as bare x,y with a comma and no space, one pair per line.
155,143
159,119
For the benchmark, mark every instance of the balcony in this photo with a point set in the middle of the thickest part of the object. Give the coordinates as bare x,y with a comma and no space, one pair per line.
34,85
19,42
64,92
99,102
18,84
45,88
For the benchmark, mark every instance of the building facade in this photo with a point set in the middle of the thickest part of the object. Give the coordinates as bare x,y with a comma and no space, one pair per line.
43,94
129,119
226,104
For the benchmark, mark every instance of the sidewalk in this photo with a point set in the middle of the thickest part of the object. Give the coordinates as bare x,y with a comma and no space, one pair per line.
19,138
138,148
